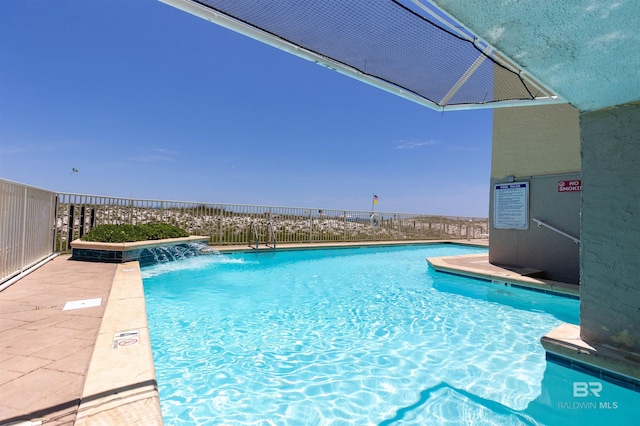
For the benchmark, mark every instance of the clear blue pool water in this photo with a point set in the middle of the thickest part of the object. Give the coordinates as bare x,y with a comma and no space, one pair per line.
359,336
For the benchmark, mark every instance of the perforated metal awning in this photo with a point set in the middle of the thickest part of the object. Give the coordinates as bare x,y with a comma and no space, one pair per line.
408,48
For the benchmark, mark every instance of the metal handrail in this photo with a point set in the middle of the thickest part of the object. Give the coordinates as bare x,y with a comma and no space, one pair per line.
546,225
271,232
254,231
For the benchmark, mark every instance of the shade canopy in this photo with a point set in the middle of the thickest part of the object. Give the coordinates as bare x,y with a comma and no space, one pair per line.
406,47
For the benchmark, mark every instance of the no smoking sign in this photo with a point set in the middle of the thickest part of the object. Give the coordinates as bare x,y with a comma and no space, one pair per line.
570,185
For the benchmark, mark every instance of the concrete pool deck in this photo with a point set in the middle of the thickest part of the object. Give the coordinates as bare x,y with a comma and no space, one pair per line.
58,365
93,365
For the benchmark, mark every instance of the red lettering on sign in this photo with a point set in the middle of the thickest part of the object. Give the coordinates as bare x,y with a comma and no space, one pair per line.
569,185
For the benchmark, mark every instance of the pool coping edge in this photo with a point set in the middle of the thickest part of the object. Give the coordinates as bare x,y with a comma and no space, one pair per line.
610,364
500,275
120,385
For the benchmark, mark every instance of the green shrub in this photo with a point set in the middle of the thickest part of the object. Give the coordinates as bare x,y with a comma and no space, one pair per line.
131,233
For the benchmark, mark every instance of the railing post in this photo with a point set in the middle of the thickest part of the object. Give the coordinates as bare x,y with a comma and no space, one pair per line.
81,230
24,230
71,224
221,226
55,223
92,219
344,227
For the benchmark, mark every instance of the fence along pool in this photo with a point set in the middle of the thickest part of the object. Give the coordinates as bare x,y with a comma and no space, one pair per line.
26,215
231,224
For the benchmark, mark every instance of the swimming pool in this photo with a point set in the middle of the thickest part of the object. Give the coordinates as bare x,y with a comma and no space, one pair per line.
359,336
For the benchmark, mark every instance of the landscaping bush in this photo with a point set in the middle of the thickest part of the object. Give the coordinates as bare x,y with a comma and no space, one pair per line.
131,233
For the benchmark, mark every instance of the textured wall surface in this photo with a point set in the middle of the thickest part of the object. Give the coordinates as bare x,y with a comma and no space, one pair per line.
610,258
587,50
540,145
540,140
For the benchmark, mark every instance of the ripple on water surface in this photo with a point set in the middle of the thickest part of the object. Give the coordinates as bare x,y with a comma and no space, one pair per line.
344,338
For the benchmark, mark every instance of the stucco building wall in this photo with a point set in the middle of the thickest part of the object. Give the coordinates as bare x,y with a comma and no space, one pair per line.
539,145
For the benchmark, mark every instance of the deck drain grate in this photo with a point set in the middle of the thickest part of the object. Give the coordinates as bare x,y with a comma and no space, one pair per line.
79,304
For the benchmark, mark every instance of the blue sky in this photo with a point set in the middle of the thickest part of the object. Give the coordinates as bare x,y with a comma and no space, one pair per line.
147,101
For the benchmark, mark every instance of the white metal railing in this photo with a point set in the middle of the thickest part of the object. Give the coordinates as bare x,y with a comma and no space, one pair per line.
27,216
227,224
553,228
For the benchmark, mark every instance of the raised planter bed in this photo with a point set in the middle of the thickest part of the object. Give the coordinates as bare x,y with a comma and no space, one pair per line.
142,251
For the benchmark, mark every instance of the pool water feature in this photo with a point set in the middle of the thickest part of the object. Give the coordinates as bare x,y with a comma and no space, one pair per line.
358,336
160,254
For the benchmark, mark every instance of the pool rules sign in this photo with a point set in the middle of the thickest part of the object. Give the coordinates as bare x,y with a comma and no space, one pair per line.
511,205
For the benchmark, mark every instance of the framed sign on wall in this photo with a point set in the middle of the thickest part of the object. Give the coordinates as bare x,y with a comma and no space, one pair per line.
511,205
